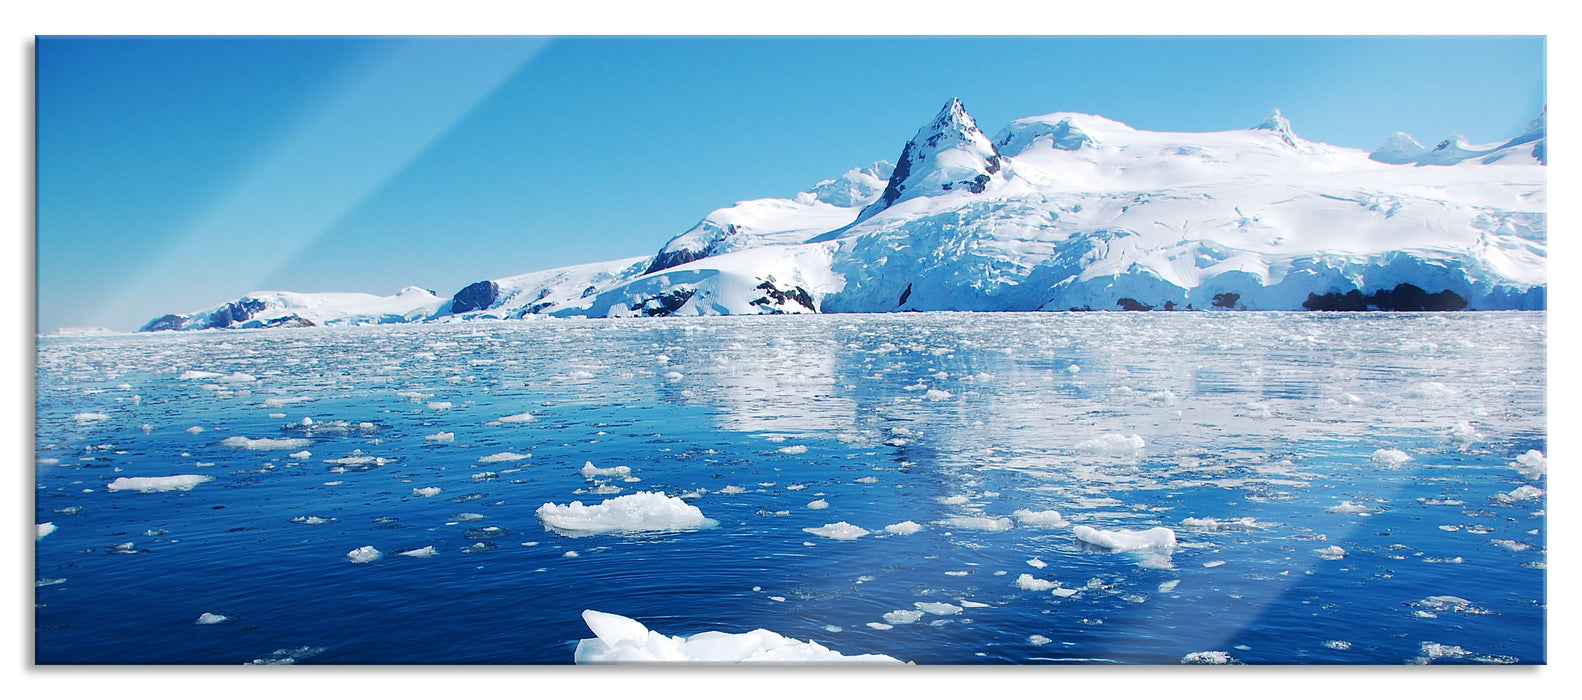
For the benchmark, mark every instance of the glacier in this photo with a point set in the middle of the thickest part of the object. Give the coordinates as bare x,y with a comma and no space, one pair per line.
1059,212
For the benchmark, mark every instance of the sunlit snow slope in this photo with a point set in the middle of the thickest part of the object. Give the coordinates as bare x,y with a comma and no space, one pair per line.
1057,212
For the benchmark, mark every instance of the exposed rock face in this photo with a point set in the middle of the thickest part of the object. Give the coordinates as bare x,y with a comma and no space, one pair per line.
949,153
475,297
1405,297
168,322
664,304
774,299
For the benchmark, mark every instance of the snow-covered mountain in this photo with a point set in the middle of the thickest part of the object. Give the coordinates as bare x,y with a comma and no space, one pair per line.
1058,212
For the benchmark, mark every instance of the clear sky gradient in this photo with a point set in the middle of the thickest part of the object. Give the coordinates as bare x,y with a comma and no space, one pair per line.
177,174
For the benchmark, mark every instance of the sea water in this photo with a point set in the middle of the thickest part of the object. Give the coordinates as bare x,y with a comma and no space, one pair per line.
942,488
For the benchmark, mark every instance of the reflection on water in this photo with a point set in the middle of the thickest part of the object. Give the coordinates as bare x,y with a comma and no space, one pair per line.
1332,480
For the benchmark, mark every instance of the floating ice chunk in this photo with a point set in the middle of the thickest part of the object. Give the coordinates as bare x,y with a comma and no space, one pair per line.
819,504
211,619
903,617
938,608
1433,651
1122,540
1113,445
1036,563
420,553
1463,435
282,401
241,442
1389,459
793,449
905,527
589,471
518,418
155,484
644,511
1532,464
195,429
728,490
1331,553
1449,603
1038,640
484,476
881,626
1216,525
1349,508
936,395
45,529
1338,644
503,457
363,555
85,418
1521,493
441,436
1169,586
1027,582
313,520
300,455
837,531
1040,518
619,639
956,500
1212,658
192,374
978,522
426,491
1213,564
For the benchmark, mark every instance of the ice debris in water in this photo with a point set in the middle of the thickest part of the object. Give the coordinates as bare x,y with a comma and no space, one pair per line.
363,555
973,522
1532,464
1036,563
1433,651
266,443
1216,525
938,608
1338,644
1331,553
45,529
906,527
85,418
1169,586
518,418
1521,493
503,457
837,531
1040,518
156,484
287,656
589,471
1112,445
1349,508
421,552
1027,582
440,436
211,619
903,617
1213,658
620,639
1389,459
819,504
300,455
1121,540
426,491
644,511
1038,640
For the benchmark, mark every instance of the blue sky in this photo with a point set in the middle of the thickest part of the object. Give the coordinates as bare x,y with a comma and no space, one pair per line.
176,174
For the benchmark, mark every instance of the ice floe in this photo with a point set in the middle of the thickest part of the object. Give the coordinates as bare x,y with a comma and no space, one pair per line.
1040,518
300,455
1113,445
517,418
837,531
1028,582
420,553
1216,525
1349,508
589,471
241,442
503,457
903,617
1389,459
1331,553
45,529
85,418
426,491
155,484
1212,658
211,619
644,511
819,504
363,555
1125,540
1532,464
905,527
978,522
620,639
440,436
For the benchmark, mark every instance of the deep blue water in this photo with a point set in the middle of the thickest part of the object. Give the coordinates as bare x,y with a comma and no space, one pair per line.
910,417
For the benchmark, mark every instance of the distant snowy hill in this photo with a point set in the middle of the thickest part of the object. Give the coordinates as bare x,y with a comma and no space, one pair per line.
1058,212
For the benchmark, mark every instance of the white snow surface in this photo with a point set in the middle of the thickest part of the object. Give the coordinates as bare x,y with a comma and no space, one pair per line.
1060,211
620,639
643,511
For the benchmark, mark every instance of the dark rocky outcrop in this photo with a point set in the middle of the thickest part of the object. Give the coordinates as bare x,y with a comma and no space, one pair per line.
905,294
774,299
1130,304
168,322
664,304
236,312
474,297
1226,300
1404,297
